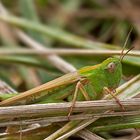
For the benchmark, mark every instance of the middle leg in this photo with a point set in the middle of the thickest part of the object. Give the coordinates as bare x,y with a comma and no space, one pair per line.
79,86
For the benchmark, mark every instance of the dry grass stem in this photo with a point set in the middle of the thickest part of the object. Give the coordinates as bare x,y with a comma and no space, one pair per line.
87,135
52,108
63,51
47,120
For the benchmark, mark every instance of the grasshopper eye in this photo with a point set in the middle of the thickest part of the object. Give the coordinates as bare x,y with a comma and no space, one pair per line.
111,67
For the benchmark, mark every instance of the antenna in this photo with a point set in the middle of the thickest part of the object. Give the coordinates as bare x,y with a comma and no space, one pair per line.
124,46
126,53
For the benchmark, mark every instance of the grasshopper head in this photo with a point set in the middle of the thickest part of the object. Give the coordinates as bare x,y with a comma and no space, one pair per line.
112,69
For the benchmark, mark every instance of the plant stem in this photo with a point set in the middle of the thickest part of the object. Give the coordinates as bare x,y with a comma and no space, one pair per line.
66,51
